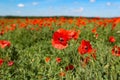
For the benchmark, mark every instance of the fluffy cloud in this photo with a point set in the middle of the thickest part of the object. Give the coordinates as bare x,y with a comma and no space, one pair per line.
108,3
20,5
92,1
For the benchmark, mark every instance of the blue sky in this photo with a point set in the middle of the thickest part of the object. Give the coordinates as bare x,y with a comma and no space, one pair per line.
88,8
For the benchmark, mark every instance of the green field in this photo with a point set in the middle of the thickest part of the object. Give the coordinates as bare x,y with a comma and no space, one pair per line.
34,57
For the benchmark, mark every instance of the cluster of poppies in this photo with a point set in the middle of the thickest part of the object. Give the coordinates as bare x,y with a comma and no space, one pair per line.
61,37
60,41
58,60
4,44
115,49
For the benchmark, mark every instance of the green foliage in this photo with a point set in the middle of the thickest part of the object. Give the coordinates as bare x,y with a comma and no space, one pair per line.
29,48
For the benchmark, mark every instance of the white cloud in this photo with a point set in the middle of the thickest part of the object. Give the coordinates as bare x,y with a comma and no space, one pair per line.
92,1
20,5
35,3
80,10
108,3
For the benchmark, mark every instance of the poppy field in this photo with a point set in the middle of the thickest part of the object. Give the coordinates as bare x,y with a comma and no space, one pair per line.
60,48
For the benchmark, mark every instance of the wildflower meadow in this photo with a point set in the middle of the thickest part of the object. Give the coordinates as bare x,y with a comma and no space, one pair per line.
60,48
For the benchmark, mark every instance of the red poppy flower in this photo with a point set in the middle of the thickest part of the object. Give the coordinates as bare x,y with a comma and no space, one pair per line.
2,32
10,63
60,39
114,26
4,43
94,30
73,34
62,74
1,62
58,60
85,47
116,51
47,59
112,39
69,67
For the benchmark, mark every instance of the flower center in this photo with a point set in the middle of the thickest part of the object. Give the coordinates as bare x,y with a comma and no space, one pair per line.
61,39
116,51
86,47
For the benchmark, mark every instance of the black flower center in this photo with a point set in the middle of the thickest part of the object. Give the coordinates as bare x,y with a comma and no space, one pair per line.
61,39
86,47
116,51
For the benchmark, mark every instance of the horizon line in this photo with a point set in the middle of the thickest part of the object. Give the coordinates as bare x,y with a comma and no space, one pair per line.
57,16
